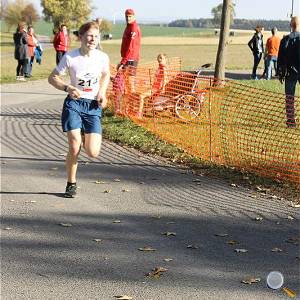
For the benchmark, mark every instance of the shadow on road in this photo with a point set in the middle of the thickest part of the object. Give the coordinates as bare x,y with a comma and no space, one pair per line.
70,252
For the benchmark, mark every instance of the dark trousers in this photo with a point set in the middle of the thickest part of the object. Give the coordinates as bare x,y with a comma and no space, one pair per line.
290,88
257,58
21,67
59,55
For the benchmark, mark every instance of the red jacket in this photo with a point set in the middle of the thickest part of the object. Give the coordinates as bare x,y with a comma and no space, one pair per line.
131,43
60,42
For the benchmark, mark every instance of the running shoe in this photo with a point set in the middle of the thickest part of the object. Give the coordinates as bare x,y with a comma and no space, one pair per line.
71,191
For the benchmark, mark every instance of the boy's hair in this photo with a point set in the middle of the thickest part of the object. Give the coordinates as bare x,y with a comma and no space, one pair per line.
61,26
161,55
274,30
87,26
259,28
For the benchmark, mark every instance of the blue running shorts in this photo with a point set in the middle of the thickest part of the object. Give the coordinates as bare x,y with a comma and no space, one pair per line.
84,114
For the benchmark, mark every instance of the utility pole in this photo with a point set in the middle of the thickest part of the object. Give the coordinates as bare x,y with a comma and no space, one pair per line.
292,12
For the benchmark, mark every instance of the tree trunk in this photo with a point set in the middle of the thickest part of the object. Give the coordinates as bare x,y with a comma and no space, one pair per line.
223,41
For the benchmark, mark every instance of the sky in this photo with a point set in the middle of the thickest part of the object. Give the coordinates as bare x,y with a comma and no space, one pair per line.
168,10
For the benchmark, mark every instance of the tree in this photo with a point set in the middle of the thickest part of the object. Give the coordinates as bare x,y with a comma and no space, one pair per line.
69,12
105,26
29,14
217,14
19,11
227,8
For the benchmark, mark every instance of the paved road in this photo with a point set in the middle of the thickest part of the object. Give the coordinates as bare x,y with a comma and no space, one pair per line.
148,196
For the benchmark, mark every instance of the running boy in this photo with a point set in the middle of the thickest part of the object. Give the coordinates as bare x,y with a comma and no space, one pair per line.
88,68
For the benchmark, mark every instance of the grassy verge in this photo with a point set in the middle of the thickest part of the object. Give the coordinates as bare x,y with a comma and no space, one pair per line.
125,132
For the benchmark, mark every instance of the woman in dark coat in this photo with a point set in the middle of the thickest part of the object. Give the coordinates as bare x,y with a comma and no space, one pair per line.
256,45
21,50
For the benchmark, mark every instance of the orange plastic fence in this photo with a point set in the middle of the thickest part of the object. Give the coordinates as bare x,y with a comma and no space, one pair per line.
226,123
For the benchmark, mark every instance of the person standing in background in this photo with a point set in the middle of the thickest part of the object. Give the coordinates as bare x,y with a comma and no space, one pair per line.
130,49
61,42
256,45
289,68
272,48
21,50
32,42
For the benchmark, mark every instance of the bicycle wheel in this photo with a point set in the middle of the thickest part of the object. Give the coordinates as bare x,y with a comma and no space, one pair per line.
187,107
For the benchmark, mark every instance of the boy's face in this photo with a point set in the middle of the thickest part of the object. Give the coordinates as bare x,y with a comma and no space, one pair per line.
162,60
90,39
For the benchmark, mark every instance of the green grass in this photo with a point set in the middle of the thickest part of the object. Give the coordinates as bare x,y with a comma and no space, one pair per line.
148,30
9,64
41,27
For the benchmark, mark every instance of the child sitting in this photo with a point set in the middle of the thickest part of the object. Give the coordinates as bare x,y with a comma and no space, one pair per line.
158,87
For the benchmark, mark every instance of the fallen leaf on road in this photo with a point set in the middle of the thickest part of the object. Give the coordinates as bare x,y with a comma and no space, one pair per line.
147,248
65,224
221,234
107,191
169,233
295,205
293,240
123,297
233,242
240,250
156,217
97,240
197,180
289,292
156,273
251,280
168,259
192,247
276,250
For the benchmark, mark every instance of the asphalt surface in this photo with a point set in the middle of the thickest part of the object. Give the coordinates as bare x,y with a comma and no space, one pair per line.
135,200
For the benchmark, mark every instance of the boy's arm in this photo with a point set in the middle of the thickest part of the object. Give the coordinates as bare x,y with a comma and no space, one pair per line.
55,80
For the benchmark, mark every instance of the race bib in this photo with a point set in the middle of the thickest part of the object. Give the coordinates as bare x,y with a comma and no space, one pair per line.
87,82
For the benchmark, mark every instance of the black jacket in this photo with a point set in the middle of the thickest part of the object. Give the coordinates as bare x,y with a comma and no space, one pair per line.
253,43
289,54
21,48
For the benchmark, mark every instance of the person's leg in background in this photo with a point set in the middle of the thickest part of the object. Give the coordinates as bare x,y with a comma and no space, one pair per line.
257,58
269,67
290,88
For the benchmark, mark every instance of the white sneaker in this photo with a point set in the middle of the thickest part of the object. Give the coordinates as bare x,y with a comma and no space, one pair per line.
21,78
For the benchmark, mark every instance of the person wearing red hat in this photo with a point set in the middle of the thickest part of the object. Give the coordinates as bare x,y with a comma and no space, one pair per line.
130,48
